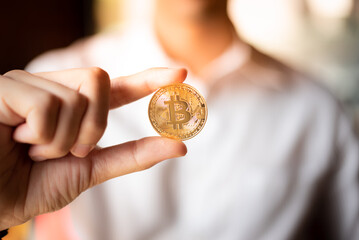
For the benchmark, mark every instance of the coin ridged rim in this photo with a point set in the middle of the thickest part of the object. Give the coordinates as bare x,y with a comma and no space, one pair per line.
190,134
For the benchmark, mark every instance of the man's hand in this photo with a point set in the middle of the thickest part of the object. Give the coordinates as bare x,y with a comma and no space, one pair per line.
49,126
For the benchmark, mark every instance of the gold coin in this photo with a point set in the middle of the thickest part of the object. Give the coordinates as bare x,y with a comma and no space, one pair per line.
177,111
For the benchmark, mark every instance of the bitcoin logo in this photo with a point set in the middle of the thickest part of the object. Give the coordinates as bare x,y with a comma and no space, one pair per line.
174,113
177,111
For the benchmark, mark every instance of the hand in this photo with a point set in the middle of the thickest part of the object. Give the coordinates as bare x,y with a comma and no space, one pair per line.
50,122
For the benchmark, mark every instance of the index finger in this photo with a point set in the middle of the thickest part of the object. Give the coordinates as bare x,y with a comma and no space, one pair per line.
124,89
127,89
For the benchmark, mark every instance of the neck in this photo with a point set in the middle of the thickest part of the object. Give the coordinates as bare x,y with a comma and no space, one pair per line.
194,42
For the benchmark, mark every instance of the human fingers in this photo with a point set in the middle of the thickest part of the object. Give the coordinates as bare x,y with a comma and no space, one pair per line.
130,88
123,90
94,83
132,156
33,110
73,106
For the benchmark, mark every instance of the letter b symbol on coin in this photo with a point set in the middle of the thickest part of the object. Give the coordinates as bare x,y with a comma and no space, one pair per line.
173,112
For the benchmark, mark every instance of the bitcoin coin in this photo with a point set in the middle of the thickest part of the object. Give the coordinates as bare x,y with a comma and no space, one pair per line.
177,111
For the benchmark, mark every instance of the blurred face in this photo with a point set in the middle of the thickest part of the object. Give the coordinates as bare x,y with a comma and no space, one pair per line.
193,9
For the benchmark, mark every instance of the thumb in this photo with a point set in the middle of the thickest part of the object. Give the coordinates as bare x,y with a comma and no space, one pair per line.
132,156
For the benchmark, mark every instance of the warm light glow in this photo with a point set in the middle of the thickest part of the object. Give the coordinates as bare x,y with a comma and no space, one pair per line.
330,8
108,13
267,24
113,13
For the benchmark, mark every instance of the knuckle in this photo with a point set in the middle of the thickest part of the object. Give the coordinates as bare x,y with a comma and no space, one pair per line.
99,72
139,165
97,76
135,157
100,169
14,72
72,98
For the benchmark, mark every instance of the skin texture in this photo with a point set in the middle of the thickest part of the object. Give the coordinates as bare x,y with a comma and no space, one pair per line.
45,117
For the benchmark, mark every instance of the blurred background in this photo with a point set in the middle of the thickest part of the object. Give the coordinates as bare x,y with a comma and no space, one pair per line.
318,37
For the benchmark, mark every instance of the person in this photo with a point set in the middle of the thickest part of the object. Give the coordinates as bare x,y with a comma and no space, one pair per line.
59,117
277,159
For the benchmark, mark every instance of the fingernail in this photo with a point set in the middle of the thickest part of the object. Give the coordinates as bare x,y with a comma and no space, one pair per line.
38,158
81,150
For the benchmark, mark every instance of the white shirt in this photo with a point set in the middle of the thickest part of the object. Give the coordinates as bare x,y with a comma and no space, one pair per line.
277,158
